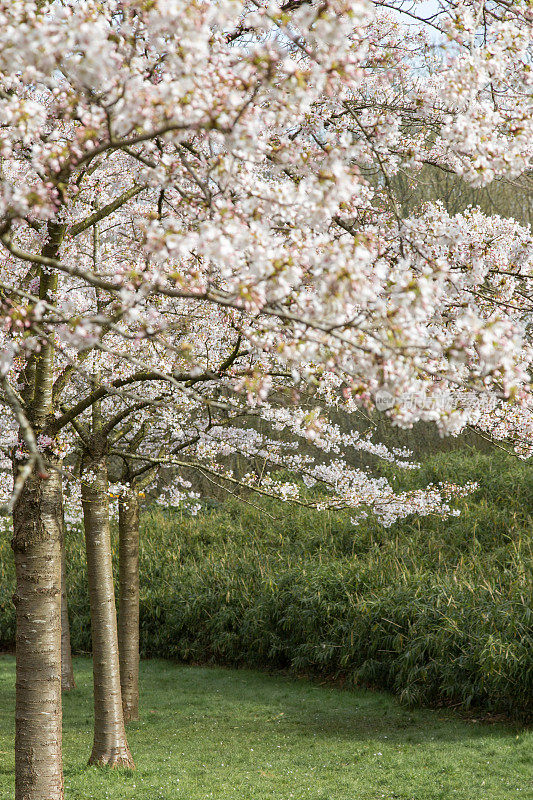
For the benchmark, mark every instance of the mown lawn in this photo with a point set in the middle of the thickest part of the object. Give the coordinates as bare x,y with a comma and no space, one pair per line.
218,733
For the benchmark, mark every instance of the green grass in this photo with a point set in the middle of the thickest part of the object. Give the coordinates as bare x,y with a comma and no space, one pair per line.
222,734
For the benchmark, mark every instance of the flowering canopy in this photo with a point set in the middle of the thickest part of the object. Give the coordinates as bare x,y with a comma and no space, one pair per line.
187,220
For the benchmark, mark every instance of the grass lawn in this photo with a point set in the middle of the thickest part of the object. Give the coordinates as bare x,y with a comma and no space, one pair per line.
223,734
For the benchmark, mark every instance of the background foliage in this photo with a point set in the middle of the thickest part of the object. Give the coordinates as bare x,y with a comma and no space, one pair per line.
434,610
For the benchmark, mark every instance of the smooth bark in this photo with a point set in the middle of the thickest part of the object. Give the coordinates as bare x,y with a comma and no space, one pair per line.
67,669
128,617
110,746
37,550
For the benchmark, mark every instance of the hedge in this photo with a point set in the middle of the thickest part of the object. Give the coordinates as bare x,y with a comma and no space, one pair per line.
433,610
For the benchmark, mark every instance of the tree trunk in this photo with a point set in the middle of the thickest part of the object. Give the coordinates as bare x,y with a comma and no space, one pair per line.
128,617
110,745
37,549
67,670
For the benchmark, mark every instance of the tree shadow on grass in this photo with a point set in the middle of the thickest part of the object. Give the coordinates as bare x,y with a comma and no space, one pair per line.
301,706
178,696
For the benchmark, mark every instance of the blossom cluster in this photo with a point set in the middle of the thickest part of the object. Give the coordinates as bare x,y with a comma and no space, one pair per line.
191,235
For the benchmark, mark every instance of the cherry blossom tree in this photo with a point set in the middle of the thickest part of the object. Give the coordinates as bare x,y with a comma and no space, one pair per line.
170,160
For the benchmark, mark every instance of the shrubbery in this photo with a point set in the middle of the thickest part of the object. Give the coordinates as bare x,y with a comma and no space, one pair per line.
433,610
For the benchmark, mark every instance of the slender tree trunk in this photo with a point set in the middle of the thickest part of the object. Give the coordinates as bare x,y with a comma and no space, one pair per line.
37,549
110,745
128,616
67,670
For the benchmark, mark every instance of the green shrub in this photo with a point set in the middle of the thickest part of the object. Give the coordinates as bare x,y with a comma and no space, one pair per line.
434,610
